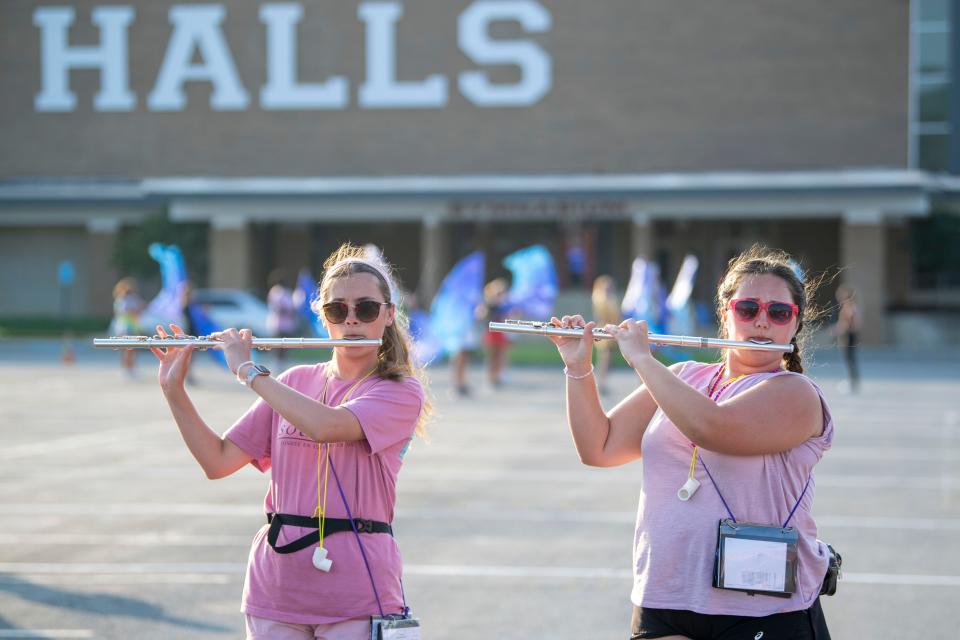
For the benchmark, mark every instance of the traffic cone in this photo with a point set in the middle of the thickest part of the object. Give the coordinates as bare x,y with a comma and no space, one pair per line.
69,356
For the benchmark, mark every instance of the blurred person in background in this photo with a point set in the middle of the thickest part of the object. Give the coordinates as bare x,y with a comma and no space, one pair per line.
847,330
495,308
459,362
341,428
127,307
751,429
283,319
606,310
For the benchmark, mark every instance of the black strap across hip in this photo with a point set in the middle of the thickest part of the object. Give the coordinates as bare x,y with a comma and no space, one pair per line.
331,526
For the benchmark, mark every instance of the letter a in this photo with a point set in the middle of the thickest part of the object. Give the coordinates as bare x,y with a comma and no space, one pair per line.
197,26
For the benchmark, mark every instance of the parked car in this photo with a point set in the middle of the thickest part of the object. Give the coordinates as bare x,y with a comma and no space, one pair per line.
234,308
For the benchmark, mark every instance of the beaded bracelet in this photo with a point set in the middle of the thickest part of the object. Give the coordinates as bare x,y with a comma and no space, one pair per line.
237,372
566,372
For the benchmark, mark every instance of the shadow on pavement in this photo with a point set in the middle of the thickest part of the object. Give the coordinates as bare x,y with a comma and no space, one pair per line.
96,603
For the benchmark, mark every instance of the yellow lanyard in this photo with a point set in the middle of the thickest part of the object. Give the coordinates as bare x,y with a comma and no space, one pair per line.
693,459
323,457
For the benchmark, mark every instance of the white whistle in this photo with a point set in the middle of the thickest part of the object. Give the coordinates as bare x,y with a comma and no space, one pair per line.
320,560
688,489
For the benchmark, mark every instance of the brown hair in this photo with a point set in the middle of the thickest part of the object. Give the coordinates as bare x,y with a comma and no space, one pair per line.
759,260
394,360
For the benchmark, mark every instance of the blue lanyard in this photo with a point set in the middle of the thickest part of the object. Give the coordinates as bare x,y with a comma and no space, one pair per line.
716,382
727,507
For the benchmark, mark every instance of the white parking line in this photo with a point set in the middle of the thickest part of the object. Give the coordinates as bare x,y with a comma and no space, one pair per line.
86,568
901,579
217,510
427,570
935,483
463,571
881,522
414,480
46,633
164,539
112,580
209,509
913,454
555,477
48,447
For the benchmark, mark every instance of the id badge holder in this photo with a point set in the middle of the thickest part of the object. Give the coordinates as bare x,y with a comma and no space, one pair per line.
756,558
394,628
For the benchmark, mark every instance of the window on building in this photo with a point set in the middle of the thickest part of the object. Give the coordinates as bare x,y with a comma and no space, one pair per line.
930,84
936,261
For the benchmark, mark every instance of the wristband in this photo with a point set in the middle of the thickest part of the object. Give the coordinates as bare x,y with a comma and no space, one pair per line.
567,373
237,372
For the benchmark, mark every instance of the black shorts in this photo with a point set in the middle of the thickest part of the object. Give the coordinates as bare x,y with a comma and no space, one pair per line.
808,624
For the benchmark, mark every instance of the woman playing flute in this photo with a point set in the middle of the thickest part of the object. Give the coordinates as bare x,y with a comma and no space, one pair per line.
334,434
747,432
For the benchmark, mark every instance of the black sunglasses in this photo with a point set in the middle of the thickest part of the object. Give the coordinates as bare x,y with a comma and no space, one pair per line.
365,311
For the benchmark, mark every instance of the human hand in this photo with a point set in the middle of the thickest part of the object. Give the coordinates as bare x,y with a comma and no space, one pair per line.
576,353
632,338
236,347
174,361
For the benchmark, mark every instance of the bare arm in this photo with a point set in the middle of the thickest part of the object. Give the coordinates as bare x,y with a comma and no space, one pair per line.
601,439
217,456
774,416
612,439
316,420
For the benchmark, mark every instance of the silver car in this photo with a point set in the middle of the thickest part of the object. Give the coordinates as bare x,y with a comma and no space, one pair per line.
233,308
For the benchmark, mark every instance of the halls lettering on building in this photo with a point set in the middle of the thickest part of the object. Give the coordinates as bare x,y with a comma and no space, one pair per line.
198,50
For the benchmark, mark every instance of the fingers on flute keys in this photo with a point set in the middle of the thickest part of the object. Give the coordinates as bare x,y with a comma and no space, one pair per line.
572,321
176,332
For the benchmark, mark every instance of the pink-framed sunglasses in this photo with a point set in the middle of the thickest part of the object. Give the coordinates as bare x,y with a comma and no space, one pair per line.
779,312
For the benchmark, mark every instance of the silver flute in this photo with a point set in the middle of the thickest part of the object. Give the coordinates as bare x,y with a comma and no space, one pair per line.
546,329
208,342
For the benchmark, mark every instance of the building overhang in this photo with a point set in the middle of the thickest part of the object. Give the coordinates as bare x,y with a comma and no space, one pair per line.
888,193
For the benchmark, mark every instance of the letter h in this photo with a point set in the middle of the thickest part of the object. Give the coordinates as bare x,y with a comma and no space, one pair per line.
110,57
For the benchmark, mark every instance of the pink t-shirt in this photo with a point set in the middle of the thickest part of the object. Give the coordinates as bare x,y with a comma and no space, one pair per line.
287,587
675,541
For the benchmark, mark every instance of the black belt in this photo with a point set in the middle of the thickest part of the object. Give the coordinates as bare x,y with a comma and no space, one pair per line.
330,526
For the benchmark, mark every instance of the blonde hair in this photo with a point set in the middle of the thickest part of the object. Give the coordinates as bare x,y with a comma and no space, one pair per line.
602,289
124,286
759,260
394,360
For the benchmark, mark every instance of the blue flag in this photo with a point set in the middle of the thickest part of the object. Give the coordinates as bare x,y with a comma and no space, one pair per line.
204,326
645,298
303,295
452,323
534,287
167,306
682,320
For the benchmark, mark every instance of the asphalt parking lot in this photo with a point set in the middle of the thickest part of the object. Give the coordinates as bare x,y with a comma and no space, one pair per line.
111,530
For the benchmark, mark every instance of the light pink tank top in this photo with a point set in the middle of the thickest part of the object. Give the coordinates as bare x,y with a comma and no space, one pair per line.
675,541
